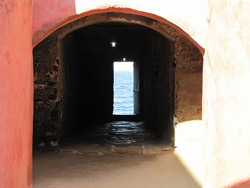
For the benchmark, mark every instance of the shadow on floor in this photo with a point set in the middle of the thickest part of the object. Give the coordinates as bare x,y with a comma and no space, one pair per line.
170,169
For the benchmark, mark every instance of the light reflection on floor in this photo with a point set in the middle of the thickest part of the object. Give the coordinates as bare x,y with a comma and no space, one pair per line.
117,133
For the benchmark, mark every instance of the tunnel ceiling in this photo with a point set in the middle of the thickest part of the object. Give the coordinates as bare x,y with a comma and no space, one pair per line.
129,37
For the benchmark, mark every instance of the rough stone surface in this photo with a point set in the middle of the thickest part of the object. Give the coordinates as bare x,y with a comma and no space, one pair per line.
188,80
46,92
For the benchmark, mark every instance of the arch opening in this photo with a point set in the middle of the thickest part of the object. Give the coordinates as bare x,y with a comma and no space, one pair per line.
74,77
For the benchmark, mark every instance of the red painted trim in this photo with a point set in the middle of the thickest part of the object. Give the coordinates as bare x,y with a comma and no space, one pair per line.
123,10
242,184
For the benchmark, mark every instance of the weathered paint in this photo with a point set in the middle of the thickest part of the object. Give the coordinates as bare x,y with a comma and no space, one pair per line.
49,13
71,11
16,93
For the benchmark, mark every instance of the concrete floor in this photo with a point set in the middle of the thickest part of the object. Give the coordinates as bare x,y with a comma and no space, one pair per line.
180,168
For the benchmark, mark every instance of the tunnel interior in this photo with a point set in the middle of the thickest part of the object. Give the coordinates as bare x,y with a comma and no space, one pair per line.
74,82
87,77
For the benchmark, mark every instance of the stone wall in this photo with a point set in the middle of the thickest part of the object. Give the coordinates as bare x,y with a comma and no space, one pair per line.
158,69
46,103
188,80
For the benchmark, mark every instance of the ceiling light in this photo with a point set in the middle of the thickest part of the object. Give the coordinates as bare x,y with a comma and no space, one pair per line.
113,44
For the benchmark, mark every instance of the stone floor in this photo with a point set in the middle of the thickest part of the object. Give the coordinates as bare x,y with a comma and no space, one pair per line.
117,133
104,168
116,136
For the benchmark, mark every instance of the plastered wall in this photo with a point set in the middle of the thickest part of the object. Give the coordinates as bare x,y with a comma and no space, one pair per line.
226,91
16,93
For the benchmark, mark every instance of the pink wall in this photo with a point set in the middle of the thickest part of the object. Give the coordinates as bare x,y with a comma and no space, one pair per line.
49,14
16,93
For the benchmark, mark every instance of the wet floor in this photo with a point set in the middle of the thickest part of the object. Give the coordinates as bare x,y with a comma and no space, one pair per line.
116,133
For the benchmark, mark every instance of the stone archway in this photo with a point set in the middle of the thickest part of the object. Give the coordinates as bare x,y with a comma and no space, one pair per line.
186,58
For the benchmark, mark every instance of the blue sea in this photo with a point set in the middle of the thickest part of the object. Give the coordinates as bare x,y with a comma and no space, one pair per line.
123,93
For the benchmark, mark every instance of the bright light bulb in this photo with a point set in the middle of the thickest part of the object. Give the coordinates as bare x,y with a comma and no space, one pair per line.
113,44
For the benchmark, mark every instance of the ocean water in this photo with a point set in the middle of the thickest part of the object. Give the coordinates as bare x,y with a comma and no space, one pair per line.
123,93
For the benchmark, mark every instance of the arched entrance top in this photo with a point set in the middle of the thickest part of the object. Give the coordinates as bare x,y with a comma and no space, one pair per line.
38,36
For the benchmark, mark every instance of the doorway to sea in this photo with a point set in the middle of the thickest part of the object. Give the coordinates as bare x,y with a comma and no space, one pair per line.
123,88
